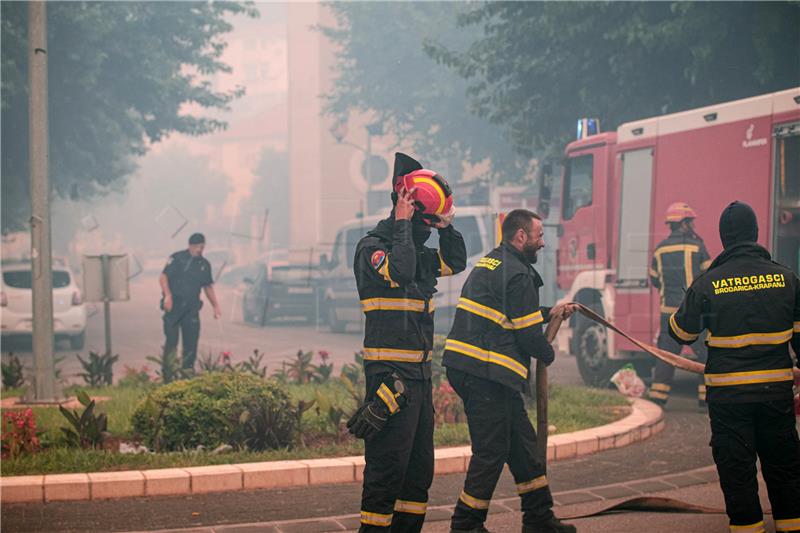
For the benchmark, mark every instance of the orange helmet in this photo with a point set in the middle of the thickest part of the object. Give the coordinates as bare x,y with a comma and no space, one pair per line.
678,212
432,195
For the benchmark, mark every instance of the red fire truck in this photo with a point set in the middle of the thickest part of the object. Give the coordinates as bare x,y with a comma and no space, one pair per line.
616,189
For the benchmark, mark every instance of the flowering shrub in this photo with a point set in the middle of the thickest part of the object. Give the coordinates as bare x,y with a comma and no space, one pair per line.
449,407
19,433
132,377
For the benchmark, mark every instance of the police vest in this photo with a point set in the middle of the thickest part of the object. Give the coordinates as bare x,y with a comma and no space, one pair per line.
748,304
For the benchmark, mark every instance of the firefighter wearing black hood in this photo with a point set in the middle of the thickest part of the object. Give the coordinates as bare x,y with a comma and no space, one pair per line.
750,306
396,278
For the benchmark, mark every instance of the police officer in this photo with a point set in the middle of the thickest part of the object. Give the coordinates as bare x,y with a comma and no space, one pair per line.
396,278
186,272
750,306
496,331
677,261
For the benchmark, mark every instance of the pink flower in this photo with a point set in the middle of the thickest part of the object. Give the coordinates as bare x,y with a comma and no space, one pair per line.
323,354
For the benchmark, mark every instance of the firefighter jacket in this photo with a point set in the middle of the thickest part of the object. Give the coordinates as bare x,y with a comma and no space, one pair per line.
396,281
498,322
751,308
677,261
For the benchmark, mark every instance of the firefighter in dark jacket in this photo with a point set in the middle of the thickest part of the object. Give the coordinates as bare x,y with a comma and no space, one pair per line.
677,261
496,331
750,306
396,278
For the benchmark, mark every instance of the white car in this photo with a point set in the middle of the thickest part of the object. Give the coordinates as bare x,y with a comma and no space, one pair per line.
16,316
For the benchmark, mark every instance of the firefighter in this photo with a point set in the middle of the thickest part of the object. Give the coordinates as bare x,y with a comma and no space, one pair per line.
185,274
750,306
677,261
496,330
396,278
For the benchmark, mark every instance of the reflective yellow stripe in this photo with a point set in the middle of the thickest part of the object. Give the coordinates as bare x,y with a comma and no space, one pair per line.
384,271
486,356
788,524
796,328
746,378
402,506
663,387
758,527
668,309
376,519
739,341
677,248
705,264
392,304
658,395
435,186
444,268
527,320
653,273
473,502
385,394
530,486
679,332
486,312
701,392
390,354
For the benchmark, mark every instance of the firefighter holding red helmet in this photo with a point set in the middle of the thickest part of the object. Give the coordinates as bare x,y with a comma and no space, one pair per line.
396,278
677,261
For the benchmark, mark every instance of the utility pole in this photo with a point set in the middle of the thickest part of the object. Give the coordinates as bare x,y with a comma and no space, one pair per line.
41,253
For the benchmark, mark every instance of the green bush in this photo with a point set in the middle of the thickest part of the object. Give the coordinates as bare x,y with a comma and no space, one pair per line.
217,408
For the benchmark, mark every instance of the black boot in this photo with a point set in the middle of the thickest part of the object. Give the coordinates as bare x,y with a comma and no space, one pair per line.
551,525
479,529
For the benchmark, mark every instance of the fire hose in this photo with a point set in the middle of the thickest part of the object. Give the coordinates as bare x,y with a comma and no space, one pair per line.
642,504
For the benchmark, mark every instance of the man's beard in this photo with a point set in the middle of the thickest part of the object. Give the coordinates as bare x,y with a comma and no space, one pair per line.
530,253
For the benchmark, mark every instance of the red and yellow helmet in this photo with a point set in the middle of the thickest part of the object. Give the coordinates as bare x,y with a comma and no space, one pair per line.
679,211
432,194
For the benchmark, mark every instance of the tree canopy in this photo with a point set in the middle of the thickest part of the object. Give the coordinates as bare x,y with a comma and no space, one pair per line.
120,77
538,66
382,68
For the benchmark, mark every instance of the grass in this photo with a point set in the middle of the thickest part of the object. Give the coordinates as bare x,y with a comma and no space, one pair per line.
571,408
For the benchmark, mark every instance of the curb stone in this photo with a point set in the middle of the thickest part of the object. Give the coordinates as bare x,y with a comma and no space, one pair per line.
645,420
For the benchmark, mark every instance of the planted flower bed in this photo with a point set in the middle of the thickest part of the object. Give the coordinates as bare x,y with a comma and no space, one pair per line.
235,413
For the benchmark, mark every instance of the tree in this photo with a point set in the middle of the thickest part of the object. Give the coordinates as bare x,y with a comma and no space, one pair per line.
121,75
382,69
539,66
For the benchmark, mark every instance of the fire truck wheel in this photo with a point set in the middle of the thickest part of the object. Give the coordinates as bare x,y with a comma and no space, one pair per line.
594,365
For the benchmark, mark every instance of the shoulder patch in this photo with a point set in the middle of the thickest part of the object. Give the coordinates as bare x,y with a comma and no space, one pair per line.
377,259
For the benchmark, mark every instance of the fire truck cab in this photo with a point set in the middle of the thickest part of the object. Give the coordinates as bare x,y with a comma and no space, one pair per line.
616,189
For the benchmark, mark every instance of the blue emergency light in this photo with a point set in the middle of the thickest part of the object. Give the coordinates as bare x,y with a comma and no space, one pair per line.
588,127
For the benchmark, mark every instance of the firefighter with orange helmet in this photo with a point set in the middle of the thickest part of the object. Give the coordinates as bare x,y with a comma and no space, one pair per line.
677,261
396,279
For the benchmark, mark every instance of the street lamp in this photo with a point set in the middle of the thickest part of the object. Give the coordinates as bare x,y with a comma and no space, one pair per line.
374,167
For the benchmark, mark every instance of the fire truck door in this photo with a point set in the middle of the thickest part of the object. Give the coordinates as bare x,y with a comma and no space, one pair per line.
786,211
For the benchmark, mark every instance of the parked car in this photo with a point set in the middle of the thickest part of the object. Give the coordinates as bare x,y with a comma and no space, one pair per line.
282,290
69,311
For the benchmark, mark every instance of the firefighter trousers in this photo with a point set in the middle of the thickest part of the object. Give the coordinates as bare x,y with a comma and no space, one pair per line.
187,324
740,432
664,372
501,433
399,463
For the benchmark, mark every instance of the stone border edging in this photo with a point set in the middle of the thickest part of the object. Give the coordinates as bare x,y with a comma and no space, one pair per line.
646,420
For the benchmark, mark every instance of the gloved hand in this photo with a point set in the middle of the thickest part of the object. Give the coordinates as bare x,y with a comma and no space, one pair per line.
371,417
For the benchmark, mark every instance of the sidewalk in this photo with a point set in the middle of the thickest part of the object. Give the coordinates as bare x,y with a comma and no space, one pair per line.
699,487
